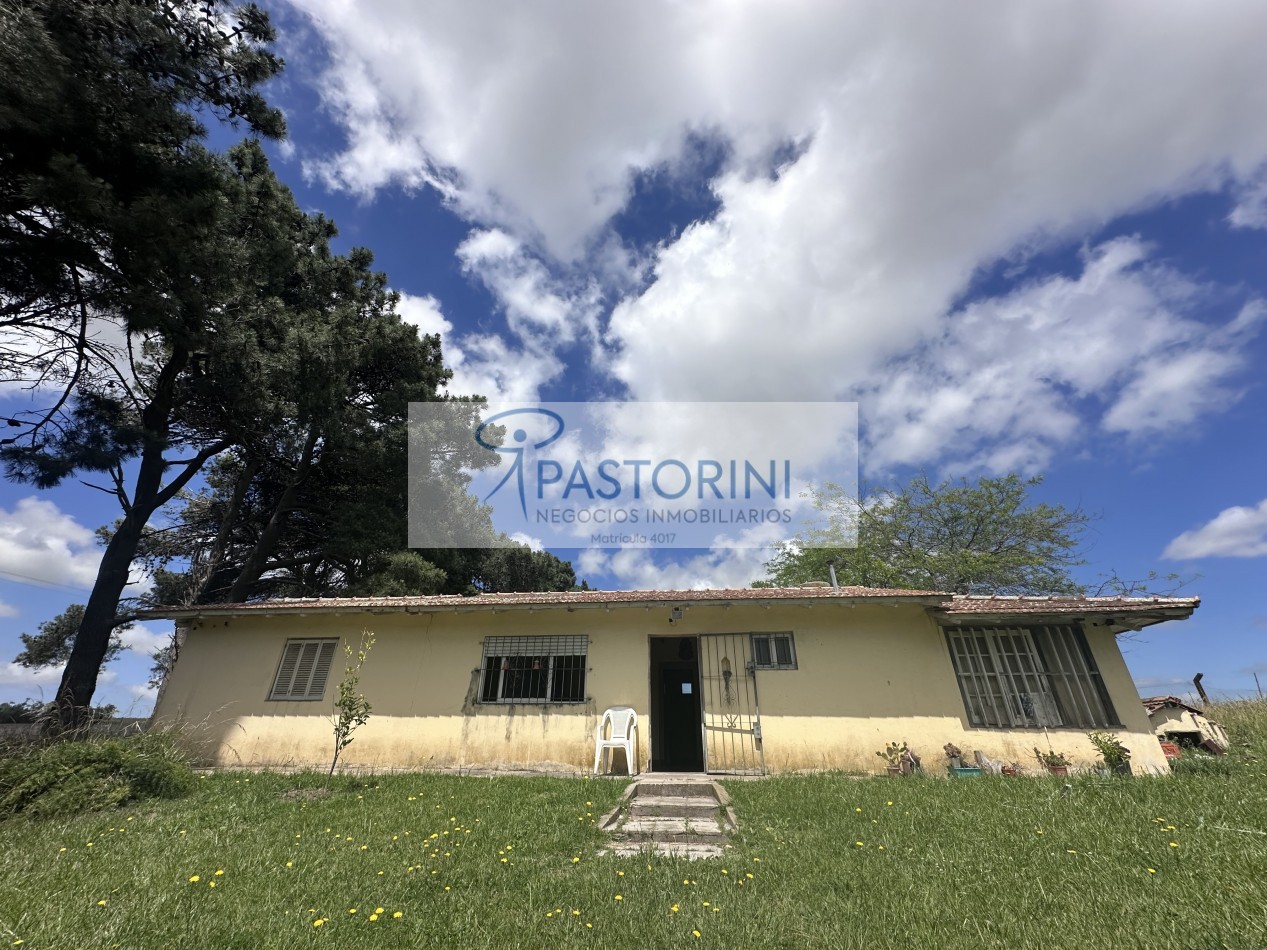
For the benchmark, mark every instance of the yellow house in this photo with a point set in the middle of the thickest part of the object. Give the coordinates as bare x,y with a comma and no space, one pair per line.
723,681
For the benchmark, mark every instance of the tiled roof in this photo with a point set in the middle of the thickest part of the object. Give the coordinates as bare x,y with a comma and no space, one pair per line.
944,603
553,598
1154,703
994,604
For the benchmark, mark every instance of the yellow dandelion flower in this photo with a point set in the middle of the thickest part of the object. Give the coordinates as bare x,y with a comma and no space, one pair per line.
858,809
1152,870
319,922
695,932
576,860
724,871
399,914
1174,844
446,887
101,903
211,884
290,864
1071,850
60,850
619,898
620,873
378,910
351,910
858,844
590,926
749,876
220,873
373,916
549,913
674,909
194,879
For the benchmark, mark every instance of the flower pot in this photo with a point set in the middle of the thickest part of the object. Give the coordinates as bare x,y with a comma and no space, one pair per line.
894,771
1121,768
1170,750
1060,771
1011,771
964,771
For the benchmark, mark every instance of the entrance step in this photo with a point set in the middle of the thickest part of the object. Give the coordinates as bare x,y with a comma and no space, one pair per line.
688,818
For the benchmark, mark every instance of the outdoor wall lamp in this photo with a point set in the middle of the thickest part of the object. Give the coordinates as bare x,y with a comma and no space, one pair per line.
675,615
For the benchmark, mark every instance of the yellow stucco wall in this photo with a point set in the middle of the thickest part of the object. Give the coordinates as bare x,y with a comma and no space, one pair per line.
867,675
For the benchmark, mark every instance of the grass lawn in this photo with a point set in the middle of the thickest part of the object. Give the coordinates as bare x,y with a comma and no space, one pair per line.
821,861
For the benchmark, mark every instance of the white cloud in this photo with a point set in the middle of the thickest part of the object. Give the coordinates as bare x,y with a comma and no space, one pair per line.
424,314
13,674
8,610
1113,341
42,544
1234,532
932,139
143,638
636,569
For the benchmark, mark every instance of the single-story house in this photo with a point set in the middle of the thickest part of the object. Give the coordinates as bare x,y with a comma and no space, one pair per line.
724,681
1175,721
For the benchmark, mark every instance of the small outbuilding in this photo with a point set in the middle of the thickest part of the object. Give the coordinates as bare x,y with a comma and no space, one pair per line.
743,681
1175,721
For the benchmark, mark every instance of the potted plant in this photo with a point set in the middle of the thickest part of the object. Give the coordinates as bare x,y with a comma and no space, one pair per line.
1011,769
1117,757
899,759
955,762
1054,762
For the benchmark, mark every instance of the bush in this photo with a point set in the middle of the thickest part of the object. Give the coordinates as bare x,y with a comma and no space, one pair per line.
67,777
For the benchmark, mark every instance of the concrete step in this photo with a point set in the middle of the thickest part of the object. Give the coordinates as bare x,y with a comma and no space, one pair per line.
662,829
686,850
687,788
669,806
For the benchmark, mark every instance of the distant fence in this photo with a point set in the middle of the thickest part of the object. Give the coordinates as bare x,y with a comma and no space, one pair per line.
28,731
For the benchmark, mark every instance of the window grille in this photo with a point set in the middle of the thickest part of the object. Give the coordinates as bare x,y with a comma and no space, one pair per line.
534,670
1028,677
304,669
773,651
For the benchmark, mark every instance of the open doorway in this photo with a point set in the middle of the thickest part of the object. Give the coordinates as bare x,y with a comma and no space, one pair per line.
676,743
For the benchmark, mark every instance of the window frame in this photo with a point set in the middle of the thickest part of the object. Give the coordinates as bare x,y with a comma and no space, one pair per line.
1029,676
772,640
317,677
534,670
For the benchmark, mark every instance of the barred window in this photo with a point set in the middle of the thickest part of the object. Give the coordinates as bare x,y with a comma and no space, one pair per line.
303,670
534,670
1027,677
773,651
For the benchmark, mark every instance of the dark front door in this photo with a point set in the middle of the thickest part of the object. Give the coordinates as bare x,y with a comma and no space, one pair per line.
676,744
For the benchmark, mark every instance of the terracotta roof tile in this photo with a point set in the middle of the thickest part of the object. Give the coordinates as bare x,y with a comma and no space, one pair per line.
995,604
551,598
958,604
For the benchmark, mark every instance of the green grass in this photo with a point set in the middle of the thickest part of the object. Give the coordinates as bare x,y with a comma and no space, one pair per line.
821,861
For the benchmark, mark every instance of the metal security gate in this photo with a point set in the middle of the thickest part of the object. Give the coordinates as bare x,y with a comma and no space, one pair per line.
731,721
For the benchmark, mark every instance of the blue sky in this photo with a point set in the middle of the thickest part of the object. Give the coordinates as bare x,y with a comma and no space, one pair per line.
1020,237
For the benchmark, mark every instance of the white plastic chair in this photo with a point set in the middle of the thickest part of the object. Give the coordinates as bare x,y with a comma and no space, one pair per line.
623,721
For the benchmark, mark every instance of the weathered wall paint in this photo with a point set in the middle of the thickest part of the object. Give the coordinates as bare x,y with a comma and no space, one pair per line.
867,675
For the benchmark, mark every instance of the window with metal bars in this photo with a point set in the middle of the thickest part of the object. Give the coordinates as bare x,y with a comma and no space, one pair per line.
303,670
1028,677
534,669
773,651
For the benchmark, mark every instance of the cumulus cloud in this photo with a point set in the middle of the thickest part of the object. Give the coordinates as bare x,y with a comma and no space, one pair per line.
1115,340
8,610
876,157
143,638
41,543
1234,532
13,674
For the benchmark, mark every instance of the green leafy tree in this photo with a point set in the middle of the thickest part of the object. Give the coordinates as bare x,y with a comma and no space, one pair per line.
983,537
53,643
